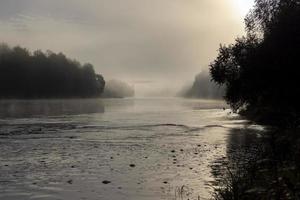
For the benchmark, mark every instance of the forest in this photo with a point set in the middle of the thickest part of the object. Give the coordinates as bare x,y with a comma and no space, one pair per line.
203,87
25,74
261,70
117,89
260,73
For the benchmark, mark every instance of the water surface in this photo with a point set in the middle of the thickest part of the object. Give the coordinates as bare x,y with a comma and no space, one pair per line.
159,148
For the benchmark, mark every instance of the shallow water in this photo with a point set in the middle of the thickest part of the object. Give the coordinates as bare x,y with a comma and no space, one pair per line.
159,148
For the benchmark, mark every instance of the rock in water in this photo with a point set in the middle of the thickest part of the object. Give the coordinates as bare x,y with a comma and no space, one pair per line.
105,182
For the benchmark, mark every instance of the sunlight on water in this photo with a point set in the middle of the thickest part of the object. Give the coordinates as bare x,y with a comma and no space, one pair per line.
159,148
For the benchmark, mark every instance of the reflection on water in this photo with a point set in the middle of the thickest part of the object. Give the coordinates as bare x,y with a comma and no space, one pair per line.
242,145
143,148
259,164
35,108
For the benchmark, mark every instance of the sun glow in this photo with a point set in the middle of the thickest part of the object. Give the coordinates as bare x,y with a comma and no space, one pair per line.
243,6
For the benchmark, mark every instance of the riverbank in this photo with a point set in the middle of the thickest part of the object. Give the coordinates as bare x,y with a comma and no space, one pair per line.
268,168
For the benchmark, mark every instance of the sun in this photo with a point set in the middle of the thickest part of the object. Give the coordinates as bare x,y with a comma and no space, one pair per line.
243,6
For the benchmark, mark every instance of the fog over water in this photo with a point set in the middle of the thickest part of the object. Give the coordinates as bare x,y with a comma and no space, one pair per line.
164,43
151,146
146,148
149,99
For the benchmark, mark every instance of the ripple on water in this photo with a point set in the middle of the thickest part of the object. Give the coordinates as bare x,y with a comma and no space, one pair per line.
141,152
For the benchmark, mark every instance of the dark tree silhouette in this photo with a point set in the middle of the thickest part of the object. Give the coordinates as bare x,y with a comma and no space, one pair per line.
261,71
45,75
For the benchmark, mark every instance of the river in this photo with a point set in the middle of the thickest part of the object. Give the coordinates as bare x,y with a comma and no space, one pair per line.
111,149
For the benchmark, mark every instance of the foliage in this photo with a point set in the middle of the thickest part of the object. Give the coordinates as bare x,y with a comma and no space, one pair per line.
203,87
117,89
261,70
45,75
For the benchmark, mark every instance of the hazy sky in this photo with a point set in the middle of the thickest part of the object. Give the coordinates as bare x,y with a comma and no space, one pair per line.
146,41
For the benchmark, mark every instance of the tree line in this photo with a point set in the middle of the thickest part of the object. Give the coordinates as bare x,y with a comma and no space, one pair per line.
117,89
25,74
261,74
204,88
261,71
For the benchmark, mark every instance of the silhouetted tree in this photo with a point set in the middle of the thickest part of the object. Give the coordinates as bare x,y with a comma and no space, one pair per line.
45,75
261,71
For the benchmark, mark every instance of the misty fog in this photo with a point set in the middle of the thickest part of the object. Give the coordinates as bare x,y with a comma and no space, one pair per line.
203,87
117,89
164,42
149,99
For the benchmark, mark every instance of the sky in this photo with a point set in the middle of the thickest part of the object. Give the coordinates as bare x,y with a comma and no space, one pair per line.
153,44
